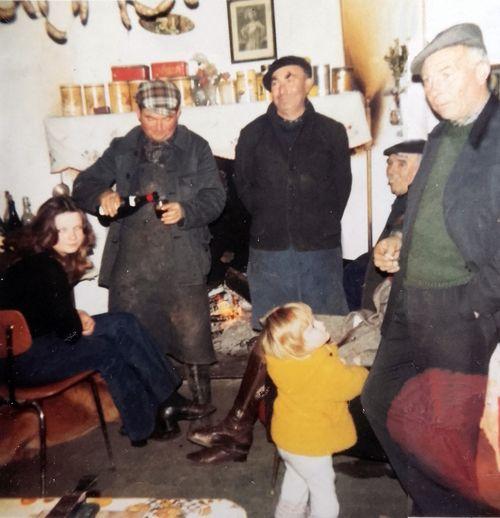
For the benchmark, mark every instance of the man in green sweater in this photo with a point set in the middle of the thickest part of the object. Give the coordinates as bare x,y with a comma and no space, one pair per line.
444,309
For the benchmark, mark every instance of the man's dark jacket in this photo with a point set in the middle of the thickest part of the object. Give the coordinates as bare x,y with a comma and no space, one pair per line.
296,196
471,205
195,183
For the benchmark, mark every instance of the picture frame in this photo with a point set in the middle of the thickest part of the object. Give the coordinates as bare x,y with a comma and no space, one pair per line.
252,32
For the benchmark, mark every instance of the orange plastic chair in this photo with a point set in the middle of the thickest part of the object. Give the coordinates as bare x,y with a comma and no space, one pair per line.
15,339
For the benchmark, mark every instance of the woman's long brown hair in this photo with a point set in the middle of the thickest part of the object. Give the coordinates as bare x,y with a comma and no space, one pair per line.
41,235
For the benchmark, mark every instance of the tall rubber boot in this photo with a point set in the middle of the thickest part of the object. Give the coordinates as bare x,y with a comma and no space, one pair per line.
231,439
198,379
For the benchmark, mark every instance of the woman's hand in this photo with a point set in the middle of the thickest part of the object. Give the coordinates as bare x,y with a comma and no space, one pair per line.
88,323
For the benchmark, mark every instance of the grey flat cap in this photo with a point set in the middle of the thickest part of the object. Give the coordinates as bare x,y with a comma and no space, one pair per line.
468,34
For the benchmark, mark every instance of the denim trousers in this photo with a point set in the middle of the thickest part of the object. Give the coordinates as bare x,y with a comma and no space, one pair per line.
313,277
137,374
307,479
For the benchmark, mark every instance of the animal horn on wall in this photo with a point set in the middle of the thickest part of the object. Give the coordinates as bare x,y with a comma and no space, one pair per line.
149,12
7,11
84,12
122,5
54,33
29,8
43,7
75,7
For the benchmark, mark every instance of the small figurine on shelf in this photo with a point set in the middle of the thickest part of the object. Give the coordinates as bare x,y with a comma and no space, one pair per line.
206,80
397,58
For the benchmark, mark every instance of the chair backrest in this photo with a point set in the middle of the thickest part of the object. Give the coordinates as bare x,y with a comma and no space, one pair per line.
13,322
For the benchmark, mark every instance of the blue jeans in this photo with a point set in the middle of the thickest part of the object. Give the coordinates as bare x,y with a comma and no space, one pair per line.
137,374
313,277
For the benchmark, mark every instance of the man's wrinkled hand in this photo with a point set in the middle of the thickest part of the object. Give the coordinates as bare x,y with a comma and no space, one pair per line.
109,202
172,213
386,253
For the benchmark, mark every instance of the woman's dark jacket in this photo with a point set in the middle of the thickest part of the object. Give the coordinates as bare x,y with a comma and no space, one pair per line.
296,196
38,287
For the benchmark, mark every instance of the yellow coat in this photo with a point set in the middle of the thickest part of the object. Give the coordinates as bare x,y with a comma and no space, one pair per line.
310,415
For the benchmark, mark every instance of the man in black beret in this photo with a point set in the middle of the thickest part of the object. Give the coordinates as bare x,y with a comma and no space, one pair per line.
443,315
293,175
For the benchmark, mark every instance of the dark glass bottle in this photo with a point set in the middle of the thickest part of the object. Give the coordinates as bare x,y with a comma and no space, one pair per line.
27,216
128,206
3,230
12,220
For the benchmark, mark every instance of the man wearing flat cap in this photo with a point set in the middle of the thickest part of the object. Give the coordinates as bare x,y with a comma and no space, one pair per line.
443,315
155,267
403,160
293,175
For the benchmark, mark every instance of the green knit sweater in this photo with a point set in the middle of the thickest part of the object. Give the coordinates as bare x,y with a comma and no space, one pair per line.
434,261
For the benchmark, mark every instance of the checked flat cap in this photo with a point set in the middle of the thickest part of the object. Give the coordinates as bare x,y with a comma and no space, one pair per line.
161,97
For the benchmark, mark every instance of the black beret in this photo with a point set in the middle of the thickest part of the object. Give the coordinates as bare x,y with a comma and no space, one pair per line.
283,62
407,146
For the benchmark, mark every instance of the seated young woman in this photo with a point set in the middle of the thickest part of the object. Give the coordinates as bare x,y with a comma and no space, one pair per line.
50,257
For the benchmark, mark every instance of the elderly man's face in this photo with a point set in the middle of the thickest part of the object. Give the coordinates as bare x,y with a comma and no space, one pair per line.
401,170
454,83
158,128
289,88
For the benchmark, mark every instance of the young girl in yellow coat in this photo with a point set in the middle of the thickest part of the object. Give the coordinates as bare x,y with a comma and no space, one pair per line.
311,420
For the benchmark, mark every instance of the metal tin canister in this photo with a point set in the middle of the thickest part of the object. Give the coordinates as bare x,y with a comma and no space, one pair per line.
261,91
71,100
133,86
252,85
342,80
119,97
241,88
94,97
184,84
321,76
227,91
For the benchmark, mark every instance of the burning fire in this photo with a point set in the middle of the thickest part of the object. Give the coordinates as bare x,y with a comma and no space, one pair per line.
225,309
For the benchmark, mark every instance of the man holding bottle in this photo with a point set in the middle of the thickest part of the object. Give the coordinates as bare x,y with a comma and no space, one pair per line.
156,267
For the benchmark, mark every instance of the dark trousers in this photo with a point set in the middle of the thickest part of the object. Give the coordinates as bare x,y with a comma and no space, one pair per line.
426,332
313,277
137,374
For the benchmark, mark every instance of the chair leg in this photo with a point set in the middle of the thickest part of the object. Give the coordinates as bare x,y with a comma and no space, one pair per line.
102,421
276,467
42,432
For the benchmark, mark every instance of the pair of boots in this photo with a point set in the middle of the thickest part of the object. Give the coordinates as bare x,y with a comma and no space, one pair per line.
231,439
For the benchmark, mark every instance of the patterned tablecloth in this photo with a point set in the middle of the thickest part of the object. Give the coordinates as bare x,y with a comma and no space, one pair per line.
129,507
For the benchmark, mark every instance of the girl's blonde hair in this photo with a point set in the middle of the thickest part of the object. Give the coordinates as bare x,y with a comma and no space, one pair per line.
283,330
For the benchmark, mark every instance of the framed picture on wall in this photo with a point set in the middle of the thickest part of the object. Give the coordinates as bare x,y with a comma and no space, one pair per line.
252,33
